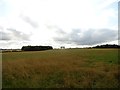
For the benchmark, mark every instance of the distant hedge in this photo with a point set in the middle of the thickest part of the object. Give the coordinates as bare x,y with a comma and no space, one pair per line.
36,48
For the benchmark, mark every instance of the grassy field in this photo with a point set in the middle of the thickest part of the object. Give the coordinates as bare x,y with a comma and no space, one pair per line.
65,68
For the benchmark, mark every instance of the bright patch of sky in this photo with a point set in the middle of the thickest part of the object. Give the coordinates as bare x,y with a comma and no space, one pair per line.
70,23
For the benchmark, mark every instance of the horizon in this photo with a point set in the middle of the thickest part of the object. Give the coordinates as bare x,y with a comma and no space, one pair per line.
59,47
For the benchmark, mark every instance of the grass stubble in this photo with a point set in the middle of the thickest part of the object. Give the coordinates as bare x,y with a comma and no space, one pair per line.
68,68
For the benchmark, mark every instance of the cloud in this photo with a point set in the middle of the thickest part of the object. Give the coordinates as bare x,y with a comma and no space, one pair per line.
29,21
13,44
86,37
28,17
1,28
57,29
13,34
5,36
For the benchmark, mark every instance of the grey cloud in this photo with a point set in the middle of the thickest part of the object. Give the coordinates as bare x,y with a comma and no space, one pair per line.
58,29
4,36
1,28
13,34
29,21
13,44
89,37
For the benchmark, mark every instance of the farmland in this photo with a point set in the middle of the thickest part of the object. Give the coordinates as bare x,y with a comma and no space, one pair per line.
64,68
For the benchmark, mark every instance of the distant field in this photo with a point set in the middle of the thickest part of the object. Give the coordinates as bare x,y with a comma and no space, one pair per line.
65,68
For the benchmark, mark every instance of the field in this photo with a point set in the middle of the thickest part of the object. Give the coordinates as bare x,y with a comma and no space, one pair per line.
64,68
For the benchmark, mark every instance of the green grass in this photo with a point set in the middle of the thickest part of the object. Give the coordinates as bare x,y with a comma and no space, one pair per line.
71,68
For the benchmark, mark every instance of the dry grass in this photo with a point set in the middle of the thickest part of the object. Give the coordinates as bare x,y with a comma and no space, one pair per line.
75,68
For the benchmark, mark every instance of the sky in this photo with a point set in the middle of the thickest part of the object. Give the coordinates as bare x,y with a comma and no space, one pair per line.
69,23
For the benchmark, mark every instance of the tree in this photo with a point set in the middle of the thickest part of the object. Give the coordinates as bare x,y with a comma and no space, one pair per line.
36,48
62,47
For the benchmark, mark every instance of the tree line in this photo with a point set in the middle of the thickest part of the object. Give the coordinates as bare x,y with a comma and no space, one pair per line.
36,48
107,46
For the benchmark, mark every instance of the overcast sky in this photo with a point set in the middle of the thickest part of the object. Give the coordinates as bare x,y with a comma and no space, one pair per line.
69,23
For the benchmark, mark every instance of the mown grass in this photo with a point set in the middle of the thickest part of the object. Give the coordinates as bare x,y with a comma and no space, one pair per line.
67,68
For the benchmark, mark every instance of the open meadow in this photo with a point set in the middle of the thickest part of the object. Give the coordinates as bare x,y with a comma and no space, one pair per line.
62,68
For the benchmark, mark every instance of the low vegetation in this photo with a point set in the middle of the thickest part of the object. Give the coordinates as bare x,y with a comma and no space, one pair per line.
65,68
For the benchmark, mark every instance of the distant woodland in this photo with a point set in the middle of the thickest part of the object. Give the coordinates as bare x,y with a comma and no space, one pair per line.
36,48
41,48
107,46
